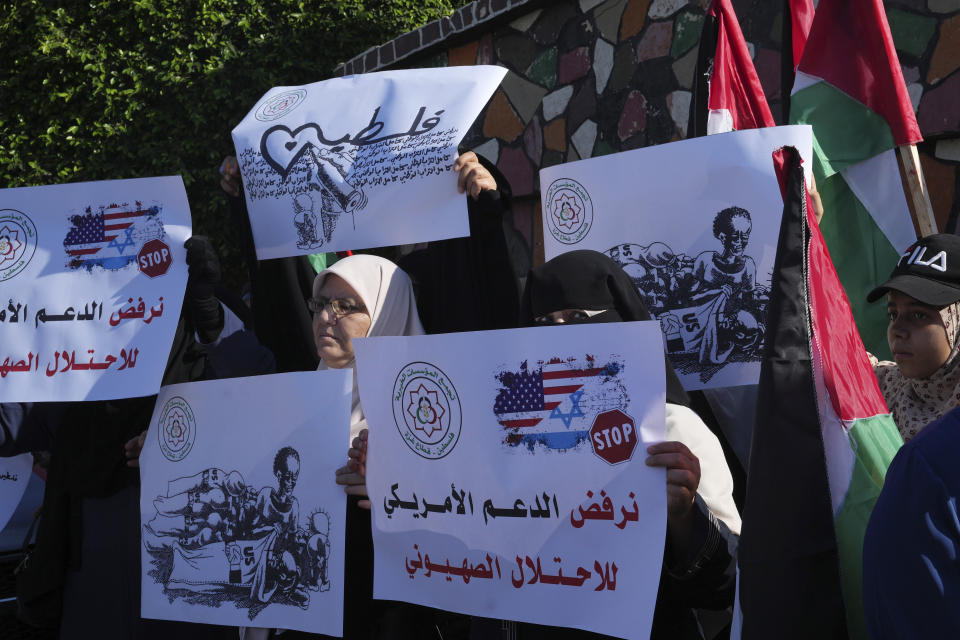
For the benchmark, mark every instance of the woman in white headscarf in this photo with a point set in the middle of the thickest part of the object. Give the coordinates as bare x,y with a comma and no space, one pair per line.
360,296
363,296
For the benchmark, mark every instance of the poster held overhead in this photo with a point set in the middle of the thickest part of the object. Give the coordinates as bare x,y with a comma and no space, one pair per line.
698,244
92,276
361,161
241,521
506,472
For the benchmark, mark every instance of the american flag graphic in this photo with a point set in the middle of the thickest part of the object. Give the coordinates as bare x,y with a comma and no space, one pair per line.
110,236
554,404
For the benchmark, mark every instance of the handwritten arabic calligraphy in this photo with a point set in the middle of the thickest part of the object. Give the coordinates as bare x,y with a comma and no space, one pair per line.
489,568
281,147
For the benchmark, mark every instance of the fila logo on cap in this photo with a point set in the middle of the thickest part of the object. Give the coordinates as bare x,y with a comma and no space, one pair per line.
915,255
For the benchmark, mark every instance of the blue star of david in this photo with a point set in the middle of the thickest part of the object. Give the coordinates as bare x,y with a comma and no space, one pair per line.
575,411
127,241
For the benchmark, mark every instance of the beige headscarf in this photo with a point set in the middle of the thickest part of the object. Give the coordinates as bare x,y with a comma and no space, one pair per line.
916,403
388,295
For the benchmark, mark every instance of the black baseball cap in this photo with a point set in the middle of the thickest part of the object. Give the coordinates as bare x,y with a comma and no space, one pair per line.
928,271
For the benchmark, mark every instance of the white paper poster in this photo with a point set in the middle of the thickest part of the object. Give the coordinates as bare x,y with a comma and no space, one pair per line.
14,476
92,276
694,224
506,472
241,521
361,161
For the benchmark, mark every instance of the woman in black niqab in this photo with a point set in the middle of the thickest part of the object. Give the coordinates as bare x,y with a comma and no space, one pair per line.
699,565
588,281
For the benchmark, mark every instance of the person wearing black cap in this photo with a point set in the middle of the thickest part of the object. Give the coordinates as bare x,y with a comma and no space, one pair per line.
923,303
702,520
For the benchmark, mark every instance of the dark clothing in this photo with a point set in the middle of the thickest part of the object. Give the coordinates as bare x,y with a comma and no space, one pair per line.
702,576
911,550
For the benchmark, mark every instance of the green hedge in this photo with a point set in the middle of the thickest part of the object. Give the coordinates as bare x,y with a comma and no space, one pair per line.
100,89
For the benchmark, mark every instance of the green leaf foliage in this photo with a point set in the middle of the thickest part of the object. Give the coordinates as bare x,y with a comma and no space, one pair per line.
107,89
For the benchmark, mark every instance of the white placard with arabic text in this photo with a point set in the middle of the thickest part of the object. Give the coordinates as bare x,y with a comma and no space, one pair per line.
92,276
695,225
242,523
361,161
506,472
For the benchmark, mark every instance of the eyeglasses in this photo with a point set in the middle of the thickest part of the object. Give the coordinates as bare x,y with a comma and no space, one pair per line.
339,306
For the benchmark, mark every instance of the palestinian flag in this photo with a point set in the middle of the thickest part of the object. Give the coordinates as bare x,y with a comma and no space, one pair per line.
800,14
797,18
822,441
849,86
727,91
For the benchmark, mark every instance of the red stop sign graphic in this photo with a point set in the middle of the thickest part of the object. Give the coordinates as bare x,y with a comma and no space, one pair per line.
154,258
614,436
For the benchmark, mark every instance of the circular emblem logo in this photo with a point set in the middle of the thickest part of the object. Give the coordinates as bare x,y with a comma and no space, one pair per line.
18,242
280,105
569,211
426,408
176,429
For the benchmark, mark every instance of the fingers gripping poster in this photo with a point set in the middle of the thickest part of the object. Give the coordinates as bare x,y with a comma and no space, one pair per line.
241,521
694,224
92,276
506,472
361,161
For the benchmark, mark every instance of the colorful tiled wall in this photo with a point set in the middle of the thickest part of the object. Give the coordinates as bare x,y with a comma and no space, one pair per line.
592,77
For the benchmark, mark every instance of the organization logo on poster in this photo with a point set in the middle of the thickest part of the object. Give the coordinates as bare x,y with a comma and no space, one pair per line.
569,213
176,429
426,408
280,105
18,242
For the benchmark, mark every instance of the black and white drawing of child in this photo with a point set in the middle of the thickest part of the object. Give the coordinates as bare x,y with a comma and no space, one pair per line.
216,539
710,307
305,220
726,282
278,508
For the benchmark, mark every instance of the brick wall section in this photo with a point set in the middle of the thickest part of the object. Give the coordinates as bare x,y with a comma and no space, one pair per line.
591,77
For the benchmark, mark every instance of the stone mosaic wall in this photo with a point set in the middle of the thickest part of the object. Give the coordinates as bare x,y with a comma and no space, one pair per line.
592,77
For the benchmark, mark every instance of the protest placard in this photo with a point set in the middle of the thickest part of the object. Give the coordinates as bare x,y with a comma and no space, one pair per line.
242,523
506,472
361,161
92,276
694,224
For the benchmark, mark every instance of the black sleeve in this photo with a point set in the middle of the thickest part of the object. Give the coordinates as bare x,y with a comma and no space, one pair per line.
279,290
26,427
706,576
468,284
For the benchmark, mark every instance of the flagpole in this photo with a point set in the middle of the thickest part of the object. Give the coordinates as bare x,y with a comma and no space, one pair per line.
921,209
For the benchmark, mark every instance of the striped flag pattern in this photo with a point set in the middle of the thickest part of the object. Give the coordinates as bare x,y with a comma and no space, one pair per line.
554,405
111,236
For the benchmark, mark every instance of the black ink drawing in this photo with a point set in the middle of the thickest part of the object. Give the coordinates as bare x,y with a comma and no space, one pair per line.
215,539
301,162
711,308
